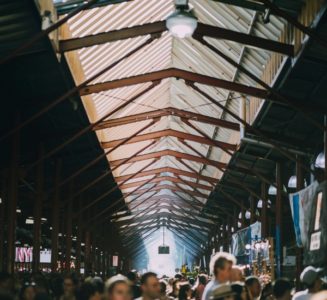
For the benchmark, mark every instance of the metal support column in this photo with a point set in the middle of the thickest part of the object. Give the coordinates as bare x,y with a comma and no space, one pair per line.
38,213
299,251
278,228
2,219
79,238
264,229
69,217
12,200
55,219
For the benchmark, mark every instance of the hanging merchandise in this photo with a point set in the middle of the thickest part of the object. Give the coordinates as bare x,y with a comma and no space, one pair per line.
316,246
301,203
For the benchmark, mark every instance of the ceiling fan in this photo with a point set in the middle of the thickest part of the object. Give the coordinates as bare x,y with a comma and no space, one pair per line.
182,22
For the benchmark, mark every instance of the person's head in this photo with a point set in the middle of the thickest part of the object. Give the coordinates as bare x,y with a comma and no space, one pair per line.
118,288
310,277
185,292
132,276
221,265
223,292
70,284
253,285
266,292
88,291
202,279
150,285
282,289
236,274
240,290
28,291
163,288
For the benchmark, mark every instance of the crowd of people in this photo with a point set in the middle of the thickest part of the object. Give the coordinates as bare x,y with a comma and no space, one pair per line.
227,282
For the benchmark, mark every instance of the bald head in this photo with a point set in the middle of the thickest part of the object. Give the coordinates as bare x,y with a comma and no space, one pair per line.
236,274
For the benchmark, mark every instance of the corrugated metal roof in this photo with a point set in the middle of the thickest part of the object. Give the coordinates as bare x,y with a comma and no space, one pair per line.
165,52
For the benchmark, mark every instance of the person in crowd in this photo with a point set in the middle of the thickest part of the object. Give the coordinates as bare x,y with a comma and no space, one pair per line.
267,292
237,274
185,292
70,287
282,289
163,290
199,289
254,286
223,292
320,296
150,286
170,285
241,291
220,266
118,288
27,291
88,291
310,277
175,289
132,276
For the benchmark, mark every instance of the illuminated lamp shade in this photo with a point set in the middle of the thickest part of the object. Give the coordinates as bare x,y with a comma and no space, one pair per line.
259,205
272,191
320,161
181,23
292,182
247,215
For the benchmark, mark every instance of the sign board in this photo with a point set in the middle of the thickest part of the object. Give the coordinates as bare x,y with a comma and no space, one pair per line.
163,250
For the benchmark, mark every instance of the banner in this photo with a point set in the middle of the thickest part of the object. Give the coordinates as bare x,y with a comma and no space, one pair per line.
245,236
301,203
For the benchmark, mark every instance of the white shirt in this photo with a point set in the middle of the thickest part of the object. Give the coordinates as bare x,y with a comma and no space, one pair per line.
210,287
302,295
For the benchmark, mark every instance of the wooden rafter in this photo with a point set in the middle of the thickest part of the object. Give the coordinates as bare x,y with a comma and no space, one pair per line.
168,178
177,73
172,188
173,153
160,27
171,133
170,111
169,170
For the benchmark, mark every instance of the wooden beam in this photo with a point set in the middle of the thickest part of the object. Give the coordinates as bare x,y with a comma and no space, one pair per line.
167,178
112,36
169,170
177,73
171,133
170,111
243,38
172,188
160,26
173,153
